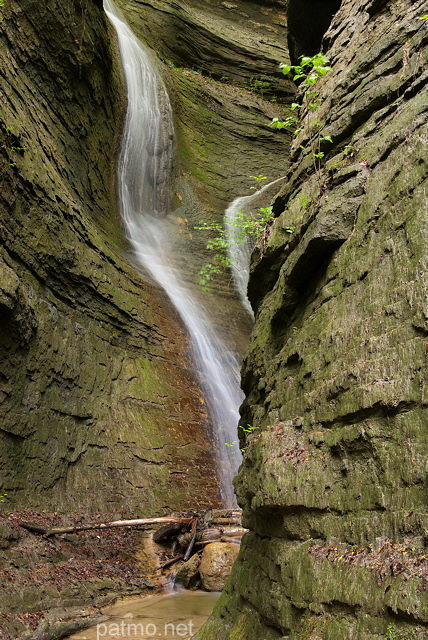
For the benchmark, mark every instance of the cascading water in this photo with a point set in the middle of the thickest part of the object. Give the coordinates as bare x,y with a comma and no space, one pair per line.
240,252
143,174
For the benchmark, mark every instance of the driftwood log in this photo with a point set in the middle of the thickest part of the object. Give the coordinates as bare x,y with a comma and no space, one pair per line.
213,526
178,539
170,562
145,522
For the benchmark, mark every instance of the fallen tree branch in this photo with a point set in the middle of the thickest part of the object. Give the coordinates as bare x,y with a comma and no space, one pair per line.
231,540
192,540
101,525
232,521
169,562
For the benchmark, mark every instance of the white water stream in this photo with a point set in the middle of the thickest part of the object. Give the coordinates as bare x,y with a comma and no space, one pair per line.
240,252
143,176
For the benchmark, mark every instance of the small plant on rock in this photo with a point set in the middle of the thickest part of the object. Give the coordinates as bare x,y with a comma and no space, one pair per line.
393,634
259,179
302,116
246,228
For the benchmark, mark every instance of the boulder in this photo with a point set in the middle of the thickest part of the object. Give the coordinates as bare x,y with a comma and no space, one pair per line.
216,564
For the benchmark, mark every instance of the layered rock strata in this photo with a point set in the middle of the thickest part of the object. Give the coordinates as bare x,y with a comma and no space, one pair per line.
98,409
220,63
333,482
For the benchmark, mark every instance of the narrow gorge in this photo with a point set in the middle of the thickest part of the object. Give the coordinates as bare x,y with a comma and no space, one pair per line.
109,401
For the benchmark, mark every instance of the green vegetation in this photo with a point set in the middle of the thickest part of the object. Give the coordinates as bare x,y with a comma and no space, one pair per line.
13,139
259,179
244,228
301,116
260,85
1,5
248,429
393,634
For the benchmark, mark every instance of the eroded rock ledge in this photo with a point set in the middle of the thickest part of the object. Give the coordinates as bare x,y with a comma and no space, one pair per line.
97,405
333,479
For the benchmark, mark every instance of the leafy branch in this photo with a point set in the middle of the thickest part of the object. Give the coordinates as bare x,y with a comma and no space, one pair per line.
244,229
247,430
302,117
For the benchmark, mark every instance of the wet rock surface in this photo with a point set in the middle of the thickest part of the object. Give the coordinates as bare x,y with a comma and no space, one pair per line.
220,64
188,574
216,564
98,407
333,479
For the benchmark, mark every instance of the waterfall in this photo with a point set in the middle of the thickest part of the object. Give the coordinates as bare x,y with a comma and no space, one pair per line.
240,252
143,178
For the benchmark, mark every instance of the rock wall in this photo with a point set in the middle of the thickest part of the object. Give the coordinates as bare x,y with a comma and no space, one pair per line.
98,405
220,63
333,482
98,409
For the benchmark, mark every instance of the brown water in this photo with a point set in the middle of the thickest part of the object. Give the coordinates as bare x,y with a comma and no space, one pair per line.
166,617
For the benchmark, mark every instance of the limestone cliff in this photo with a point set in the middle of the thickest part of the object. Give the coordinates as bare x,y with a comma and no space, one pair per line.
98,408
98,405
333,479
220,62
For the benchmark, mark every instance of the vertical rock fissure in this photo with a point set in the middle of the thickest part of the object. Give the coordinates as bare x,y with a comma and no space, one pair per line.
308,21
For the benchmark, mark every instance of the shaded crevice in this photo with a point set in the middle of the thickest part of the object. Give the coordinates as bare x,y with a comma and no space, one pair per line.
358,447
14,437
303,281
308,21
420,331
378,409
403,616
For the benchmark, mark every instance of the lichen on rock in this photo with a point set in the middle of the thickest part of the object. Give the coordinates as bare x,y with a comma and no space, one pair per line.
98,406
332,482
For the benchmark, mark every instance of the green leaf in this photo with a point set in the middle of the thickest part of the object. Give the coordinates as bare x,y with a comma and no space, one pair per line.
279,124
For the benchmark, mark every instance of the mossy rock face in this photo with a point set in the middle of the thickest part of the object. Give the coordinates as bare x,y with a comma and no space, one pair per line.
240,42
220,66
97,403
222,69
333,478
98,408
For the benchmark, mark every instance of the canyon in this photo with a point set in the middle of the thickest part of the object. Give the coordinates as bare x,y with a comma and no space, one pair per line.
100,407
